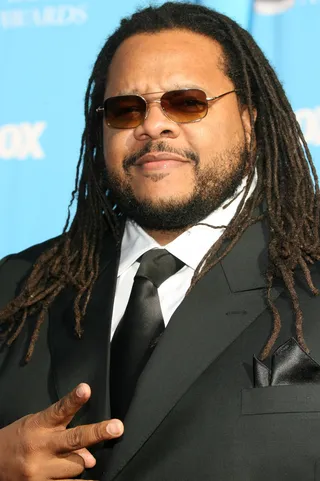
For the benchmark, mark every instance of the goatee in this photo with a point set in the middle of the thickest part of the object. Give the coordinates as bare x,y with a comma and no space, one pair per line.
210,192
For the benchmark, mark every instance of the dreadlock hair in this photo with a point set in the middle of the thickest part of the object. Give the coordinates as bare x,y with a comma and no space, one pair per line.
287,180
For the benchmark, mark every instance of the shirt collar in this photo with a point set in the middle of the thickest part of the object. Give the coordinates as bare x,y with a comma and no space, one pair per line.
191,245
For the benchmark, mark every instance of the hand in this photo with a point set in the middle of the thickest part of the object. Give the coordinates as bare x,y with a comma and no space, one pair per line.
39,447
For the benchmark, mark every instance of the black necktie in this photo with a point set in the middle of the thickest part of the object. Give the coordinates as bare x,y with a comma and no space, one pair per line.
140,328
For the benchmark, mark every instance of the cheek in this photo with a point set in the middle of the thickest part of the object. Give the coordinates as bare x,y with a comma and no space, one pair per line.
115,147
215,136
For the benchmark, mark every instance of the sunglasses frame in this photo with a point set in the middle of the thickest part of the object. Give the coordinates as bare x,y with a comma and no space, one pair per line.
147,102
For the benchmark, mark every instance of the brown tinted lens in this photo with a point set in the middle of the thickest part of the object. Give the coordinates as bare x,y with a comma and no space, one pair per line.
125,111
185,105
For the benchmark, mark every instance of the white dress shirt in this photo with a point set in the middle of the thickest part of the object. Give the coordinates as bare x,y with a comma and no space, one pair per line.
190,247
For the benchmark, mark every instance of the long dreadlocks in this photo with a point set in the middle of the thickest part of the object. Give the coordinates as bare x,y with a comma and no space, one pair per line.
287,181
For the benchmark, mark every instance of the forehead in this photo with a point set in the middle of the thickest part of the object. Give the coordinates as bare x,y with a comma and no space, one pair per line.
166,60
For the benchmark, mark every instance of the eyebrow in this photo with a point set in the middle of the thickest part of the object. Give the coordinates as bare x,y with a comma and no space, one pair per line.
174,87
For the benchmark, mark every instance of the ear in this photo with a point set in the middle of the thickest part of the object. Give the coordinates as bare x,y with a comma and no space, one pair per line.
245,118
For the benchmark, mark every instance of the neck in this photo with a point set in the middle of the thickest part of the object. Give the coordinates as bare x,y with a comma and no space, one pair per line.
164,237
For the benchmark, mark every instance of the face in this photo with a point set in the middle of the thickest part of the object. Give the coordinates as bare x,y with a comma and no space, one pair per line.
163,174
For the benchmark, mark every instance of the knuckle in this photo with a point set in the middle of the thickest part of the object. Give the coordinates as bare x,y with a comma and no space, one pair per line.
31,421
74,438
58,409
98,432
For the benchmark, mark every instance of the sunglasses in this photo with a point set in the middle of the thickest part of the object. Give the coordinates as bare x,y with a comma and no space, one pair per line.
182,106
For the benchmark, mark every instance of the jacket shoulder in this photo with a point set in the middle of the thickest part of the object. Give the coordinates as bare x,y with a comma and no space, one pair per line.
31,253
14,268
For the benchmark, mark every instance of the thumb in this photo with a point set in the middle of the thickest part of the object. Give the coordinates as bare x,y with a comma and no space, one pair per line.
88,458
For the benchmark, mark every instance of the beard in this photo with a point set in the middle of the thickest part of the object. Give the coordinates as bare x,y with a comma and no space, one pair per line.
211,190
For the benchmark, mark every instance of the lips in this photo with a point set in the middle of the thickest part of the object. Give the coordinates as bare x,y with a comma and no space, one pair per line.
160,157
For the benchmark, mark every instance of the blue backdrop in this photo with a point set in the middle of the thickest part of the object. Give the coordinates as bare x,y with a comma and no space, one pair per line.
47,48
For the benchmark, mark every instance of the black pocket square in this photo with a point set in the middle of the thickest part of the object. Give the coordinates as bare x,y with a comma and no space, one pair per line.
290,364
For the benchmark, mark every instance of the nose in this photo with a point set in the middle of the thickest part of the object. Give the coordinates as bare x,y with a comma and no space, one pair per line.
156,124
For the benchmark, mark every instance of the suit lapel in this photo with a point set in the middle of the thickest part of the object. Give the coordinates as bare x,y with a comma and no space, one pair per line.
217,310
86,360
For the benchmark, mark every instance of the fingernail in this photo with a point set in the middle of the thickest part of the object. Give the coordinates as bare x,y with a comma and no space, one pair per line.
80,390
114,428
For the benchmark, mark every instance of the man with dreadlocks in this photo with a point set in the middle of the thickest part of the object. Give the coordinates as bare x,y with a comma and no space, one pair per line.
131,342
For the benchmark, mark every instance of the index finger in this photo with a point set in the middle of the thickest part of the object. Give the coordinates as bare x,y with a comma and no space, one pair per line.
62,412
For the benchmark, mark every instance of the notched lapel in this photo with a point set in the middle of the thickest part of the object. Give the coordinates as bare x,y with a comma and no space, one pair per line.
210,318
85,360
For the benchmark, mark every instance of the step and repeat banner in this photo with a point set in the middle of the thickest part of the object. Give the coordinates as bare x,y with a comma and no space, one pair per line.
47,49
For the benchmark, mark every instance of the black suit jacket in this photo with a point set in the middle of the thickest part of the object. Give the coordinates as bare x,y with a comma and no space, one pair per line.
203,409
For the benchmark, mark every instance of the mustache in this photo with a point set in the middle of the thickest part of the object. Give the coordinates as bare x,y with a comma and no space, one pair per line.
150,147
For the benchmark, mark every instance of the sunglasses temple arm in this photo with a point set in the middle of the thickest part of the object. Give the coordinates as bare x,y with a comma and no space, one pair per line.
222,95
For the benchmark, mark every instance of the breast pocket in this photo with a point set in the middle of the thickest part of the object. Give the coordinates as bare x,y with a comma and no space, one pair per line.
281,399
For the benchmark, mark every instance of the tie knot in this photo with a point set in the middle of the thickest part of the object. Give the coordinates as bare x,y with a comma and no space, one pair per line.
158,265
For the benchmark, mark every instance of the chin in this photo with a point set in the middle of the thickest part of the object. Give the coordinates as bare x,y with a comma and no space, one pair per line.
162,189
156,192
162,200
